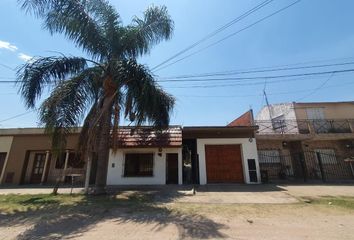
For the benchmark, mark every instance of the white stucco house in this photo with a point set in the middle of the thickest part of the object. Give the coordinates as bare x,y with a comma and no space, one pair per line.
146,157
188,155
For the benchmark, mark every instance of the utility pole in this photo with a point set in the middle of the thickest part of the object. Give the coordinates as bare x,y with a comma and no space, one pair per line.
267,102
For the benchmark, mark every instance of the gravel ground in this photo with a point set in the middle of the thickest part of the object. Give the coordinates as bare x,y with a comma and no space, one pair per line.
215,212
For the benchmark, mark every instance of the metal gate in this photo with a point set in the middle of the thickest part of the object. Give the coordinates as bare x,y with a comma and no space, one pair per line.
305,166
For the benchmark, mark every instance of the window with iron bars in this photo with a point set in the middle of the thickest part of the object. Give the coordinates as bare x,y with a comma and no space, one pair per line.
269,156
138,165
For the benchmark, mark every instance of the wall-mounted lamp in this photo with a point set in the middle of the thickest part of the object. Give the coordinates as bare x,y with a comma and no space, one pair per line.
349,146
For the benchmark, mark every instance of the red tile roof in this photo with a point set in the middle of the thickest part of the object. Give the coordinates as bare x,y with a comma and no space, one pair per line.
149,137
245,119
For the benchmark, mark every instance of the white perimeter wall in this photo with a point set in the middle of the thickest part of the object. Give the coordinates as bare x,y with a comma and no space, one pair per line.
115,174
5,146
248,151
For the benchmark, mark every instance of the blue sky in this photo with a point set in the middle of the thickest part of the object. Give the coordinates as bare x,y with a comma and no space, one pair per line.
315,31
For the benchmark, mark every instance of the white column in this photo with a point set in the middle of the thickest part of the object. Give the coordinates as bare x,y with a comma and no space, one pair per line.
66,164
88,172
180,167
47,153
202,164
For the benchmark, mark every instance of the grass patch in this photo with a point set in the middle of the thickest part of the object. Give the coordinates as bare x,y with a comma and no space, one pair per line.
343,202
22,203
64,202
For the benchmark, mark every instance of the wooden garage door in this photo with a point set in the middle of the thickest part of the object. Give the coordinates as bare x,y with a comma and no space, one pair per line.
223,164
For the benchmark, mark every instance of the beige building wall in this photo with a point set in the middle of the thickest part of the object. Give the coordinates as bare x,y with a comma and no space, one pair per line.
5,147
22,145
335,110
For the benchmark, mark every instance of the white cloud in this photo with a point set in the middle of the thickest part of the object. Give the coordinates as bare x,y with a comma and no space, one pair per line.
24,57
8,46
13,48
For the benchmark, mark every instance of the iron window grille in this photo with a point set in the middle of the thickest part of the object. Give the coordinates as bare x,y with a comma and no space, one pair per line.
139,165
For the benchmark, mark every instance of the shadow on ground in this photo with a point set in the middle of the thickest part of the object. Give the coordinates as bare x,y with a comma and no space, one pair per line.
239,188
53,220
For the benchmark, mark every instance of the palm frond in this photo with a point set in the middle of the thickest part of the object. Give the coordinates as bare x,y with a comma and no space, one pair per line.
89,132
34,76
77,19
37,7
64,109
145,100
142,34
106,16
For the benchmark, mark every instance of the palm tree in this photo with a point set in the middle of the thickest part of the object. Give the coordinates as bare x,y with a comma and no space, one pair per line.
96,91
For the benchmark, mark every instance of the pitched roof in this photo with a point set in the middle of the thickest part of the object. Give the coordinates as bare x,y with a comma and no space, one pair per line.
149,137
245,119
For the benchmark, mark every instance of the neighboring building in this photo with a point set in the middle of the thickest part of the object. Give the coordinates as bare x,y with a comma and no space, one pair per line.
28,159
292,136
192,155
222,154
245,119
146,157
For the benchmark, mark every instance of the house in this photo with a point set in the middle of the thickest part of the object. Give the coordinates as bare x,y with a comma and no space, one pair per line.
222,154
27,159
146,157
188,155
306,141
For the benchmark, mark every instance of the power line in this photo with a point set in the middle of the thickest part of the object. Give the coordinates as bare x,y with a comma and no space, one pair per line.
316,89
10,81
264,68
230,35
258,77
220,85
19,115
7,66
240,79
210,35
271,94
236,72
184,78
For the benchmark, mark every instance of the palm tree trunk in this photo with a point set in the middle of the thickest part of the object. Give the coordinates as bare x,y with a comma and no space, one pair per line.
103,149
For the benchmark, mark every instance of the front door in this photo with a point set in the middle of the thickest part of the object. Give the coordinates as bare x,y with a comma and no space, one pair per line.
172,168
38,167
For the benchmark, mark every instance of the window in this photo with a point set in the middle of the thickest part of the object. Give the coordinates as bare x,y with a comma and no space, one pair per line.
269,156
328,156
138,165
74,161
60,162
252,169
